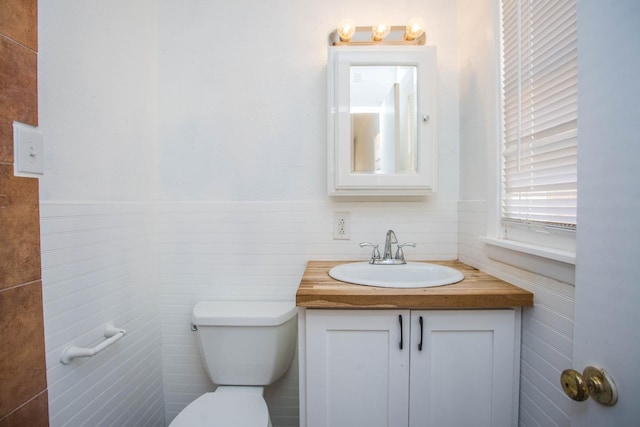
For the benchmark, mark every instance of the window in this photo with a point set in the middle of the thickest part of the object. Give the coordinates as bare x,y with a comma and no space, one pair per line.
539,95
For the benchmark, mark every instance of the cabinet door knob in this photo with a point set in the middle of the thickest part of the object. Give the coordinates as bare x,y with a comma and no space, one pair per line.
594,382
401,334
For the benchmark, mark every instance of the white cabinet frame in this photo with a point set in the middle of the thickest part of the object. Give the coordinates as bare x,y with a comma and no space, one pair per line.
353,372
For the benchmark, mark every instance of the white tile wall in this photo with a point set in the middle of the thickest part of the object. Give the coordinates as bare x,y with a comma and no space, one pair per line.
99,265
121,261
117,262
258,250
547,328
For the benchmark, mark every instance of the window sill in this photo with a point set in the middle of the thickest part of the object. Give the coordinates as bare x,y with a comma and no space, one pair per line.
554,263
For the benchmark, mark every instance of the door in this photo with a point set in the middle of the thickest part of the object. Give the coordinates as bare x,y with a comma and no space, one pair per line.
463,370
607,294
357,372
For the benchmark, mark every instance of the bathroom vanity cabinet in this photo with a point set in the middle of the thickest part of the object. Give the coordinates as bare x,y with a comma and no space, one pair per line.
410,368
393,360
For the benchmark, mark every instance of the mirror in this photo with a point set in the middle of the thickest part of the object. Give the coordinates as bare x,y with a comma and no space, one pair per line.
381,128
383,118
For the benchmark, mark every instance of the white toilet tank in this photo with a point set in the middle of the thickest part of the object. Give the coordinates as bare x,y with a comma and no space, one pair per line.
246,342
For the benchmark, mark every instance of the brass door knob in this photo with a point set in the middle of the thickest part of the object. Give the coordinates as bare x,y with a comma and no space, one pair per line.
594,382
574,385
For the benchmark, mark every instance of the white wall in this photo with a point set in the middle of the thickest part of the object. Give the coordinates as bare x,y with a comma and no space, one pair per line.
547,328
97,100
99,266
242,163
237,159
258,250
242,94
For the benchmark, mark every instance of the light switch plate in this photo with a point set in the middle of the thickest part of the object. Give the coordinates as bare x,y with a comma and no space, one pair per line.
28,150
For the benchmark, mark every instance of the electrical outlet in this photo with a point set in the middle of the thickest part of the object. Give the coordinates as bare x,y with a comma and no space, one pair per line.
341,226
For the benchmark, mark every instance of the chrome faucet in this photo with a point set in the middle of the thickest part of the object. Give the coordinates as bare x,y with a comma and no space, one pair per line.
388,258
391,239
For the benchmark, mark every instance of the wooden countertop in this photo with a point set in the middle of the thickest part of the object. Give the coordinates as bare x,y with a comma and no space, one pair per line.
478,290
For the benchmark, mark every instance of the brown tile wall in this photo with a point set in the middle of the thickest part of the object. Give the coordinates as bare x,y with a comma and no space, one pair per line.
23,384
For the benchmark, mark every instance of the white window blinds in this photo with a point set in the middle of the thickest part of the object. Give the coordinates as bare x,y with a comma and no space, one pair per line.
540,112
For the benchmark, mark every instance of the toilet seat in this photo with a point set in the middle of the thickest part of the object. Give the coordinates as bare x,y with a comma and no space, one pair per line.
224,408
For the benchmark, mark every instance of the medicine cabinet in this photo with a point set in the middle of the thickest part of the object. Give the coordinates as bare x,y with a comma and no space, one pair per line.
382,121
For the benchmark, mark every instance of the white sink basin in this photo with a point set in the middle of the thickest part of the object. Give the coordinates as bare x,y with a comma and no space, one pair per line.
409,275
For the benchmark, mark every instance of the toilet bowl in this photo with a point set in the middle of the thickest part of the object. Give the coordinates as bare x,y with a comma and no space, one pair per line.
226,407
245,345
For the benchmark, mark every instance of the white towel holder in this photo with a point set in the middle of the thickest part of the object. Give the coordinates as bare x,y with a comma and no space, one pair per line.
112,334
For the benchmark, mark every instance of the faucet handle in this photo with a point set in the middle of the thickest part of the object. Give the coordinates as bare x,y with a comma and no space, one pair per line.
375,254
400,252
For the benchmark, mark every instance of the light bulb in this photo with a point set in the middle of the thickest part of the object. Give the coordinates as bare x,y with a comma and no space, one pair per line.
380,31
415,28
346,30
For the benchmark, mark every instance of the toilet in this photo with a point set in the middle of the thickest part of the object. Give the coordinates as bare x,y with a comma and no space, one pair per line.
245,345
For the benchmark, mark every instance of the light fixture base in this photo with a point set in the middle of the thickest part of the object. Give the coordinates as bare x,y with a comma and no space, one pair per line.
362,37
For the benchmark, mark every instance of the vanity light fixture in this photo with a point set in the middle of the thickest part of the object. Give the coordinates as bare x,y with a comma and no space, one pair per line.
348,34
346,30
380,31
415,29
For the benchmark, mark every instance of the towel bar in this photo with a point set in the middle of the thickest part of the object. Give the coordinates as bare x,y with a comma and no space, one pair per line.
70,352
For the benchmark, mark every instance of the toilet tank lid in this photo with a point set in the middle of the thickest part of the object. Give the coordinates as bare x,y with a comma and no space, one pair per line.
243,313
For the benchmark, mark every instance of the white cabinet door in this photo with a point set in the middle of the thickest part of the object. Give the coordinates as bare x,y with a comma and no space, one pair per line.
464,373
357,374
